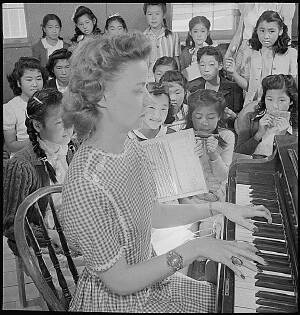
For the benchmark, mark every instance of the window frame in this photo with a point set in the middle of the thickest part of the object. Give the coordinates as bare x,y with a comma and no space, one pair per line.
219,36
18,42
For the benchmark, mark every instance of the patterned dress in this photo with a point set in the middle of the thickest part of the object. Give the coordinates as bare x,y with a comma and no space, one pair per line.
107,204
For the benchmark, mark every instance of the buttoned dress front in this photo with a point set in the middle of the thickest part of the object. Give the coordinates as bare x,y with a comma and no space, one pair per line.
107,205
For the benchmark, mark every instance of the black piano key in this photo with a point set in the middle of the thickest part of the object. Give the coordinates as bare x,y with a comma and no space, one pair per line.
280,306
257,193
276,297
276,218
271,278
285,307
265,309
269,234
270,245
275,268
276,286
275,259
270,227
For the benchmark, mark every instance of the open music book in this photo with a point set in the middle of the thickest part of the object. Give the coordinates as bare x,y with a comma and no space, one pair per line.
177,169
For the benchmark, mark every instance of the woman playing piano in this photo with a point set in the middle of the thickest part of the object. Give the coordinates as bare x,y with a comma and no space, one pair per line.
109,195
275,114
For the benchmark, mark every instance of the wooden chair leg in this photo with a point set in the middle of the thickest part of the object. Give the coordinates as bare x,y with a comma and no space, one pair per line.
21,281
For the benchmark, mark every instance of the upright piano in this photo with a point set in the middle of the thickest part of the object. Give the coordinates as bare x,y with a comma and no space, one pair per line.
272,182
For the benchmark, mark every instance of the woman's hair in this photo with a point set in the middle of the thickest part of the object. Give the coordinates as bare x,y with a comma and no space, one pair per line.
21,65
279,82
38,107
58,54
50,17
116,18
80,11
163,5
165,61
211,51
192,23
207,98
94,64
281,45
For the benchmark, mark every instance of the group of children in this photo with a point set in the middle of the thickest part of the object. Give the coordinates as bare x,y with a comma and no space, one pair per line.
229,110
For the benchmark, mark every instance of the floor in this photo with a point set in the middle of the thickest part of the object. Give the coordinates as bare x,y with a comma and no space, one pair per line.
10,300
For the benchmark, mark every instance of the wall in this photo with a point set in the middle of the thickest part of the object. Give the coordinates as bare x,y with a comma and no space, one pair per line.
131,12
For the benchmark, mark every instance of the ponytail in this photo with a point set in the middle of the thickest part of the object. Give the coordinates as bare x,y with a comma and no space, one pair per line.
39,151
167,31
209,40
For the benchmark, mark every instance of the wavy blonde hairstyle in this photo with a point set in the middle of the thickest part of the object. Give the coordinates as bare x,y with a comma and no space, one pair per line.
95,63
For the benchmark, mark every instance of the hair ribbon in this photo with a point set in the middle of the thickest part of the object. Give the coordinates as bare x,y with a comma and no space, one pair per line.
113,15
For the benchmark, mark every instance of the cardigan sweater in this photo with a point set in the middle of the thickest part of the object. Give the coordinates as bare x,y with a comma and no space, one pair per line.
40,52
232,93
23,174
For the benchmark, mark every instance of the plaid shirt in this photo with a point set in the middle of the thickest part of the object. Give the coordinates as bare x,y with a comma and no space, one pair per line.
107,204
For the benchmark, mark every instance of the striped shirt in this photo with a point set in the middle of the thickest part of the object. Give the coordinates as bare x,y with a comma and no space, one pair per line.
161,46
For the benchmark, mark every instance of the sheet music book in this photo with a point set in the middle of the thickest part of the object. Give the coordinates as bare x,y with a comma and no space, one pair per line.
177,170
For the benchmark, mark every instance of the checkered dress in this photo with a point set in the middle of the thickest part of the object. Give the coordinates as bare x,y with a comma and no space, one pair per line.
107,202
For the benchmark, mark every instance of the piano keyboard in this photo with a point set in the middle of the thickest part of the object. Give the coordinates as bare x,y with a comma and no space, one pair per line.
270,290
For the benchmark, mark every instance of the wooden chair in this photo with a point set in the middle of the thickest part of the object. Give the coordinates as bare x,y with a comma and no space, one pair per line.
36,266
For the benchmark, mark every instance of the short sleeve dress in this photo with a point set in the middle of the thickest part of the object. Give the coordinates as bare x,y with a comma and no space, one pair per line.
107,204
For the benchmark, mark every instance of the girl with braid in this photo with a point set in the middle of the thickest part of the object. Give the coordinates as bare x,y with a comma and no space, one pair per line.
43,162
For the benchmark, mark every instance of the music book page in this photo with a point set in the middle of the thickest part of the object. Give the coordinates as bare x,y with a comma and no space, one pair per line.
177,170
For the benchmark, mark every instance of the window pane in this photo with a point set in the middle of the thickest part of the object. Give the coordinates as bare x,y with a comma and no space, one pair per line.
220,15
14,24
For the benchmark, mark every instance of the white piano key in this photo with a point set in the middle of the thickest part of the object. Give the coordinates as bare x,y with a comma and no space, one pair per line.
238,309
244,297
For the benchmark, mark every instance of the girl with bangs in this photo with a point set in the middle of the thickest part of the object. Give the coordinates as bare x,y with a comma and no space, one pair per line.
275,114
270,53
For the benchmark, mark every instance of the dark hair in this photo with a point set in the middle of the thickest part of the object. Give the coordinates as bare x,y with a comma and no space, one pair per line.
281,44
174,76
58,54
203,98
38,107
163,6
21,65
50,17
194,21
116,18
177,77
212,51
165,61
94,64
80,11
278,82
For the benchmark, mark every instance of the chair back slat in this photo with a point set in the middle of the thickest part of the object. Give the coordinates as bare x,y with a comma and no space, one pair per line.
63,242
37,250
36,266
61,279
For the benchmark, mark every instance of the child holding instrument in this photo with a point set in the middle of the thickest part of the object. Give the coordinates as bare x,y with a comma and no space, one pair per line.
276,113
